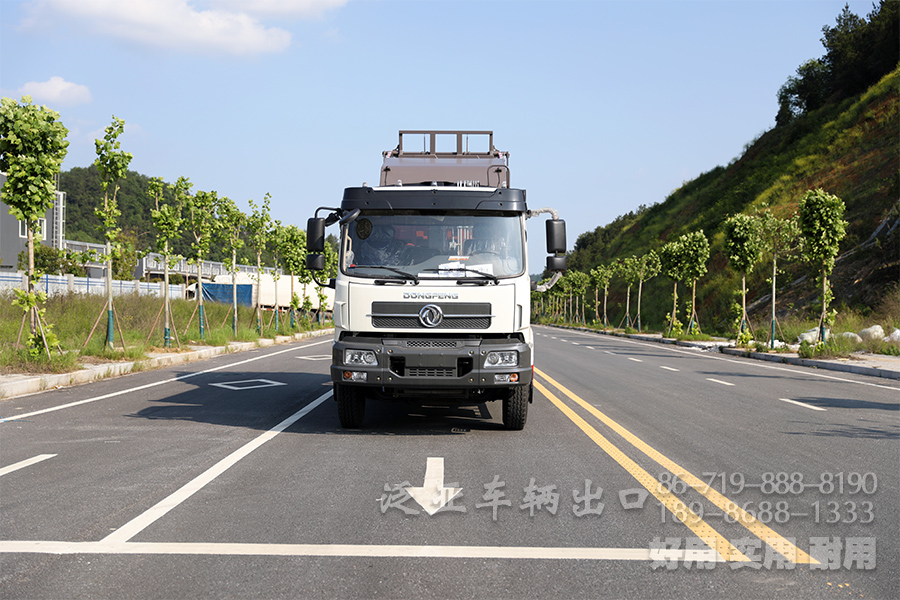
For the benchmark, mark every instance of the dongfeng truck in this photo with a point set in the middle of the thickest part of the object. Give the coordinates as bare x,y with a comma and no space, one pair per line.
432,301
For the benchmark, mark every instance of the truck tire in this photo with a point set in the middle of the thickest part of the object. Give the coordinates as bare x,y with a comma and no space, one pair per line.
351,405
515,407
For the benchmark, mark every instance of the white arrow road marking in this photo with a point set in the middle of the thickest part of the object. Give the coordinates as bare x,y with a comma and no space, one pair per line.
25,463
803,404
433,496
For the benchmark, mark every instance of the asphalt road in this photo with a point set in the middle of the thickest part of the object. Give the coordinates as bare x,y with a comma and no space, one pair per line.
644,471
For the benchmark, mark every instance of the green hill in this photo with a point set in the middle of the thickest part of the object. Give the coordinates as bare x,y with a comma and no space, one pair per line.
850,149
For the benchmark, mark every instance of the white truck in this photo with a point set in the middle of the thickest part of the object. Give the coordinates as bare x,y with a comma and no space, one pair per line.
432,297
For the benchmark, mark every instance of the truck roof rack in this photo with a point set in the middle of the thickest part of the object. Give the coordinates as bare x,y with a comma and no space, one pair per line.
446,159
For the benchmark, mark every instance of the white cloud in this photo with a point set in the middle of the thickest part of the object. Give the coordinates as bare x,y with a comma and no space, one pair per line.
303,9
168,24
57,92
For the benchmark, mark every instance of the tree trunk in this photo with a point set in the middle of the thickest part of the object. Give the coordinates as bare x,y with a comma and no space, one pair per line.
774,272
32,312
167,323
674,308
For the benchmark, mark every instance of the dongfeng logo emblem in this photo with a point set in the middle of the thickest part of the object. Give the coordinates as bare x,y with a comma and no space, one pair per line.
431,315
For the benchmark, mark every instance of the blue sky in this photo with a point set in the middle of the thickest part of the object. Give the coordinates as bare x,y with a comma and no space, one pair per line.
604,105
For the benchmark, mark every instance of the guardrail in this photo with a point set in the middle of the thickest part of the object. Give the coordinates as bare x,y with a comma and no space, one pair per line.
68,284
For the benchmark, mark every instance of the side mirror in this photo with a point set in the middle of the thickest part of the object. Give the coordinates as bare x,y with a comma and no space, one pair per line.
556,264
556,237
315,262
315,236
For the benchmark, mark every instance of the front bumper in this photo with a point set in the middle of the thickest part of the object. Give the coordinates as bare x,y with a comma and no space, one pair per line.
431,364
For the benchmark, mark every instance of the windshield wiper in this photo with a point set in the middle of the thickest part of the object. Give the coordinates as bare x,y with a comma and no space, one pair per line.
465,280
403,274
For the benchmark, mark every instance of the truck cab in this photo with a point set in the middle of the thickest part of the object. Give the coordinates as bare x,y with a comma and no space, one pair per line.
432,293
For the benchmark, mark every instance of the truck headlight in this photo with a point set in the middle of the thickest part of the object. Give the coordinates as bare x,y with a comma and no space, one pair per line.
359,357
505,358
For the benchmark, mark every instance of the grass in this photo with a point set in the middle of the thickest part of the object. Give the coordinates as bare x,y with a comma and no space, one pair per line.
72,317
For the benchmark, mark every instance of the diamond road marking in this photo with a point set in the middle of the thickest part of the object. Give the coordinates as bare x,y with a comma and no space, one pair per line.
248,384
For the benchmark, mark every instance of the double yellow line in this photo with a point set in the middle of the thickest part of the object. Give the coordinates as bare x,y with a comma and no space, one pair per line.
676,506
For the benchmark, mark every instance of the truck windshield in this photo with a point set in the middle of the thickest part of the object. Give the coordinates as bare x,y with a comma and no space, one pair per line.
434,246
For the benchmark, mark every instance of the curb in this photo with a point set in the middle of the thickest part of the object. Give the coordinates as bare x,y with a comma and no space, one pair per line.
724,348
22,385
814,364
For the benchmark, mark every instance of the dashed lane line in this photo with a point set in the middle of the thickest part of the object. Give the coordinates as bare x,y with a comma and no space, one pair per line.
25,463
803,404
719,381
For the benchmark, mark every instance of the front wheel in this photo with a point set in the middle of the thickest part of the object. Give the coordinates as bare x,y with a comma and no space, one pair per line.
515,407
351,405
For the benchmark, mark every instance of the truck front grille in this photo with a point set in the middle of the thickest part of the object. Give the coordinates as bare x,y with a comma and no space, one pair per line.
403,315
430,372
432,344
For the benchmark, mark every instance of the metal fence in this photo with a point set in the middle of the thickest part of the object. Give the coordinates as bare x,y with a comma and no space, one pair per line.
69,284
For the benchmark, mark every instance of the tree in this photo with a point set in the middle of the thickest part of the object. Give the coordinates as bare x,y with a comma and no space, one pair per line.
293,252
55,260
259,225
276,241
648,268
695,248
231,227
167,219
200,212
580,282
823,227
671,263
780,236
112,164
804,93
601,276
628,269
743,244
685,259
32,148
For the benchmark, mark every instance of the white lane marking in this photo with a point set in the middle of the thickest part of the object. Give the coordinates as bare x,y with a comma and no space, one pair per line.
754,363
590,347
610,353
154,384
718,381
668,368
253,384
635,359
25,463
316,357
803,404
356,550
142,521
575,344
